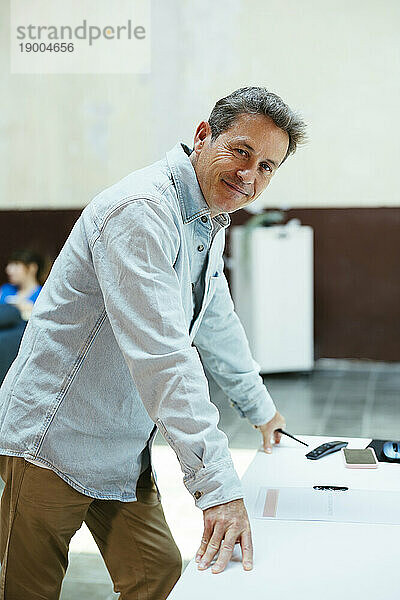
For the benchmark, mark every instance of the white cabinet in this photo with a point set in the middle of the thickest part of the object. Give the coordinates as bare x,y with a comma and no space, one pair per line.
272,289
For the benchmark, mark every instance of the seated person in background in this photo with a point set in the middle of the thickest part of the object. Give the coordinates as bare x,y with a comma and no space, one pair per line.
24,270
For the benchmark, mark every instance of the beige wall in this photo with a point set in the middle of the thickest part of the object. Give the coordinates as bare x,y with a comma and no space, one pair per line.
65,137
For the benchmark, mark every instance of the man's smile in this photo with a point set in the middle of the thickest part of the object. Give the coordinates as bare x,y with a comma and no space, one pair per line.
234,187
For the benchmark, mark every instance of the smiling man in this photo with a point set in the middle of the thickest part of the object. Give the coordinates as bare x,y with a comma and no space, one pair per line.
134,307
235,166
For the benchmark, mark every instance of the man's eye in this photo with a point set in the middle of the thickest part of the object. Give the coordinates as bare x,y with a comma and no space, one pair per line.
241,152
266,167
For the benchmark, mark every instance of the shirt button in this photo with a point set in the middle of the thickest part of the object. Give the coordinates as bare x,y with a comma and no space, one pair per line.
197,495
200,248
204,219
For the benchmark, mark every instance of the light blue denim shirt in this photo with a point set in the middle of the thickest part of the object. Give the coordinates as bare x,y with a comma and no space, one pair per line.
113,346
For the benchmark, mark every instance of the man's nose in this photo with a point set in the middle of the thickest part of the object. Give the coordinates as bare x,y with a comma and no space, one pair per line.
247,176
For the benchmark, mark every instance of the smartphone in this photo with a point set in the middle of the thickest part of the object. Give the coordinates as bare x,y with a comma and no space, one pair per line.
360,459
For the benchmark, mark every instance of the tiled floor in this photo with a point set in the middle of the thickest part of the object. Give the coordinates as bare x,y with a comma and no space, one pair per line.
340,398
360,400
87,579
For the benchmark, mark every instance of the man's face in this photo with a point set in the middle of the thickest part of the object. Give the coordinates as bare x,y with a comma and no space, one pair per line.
237,166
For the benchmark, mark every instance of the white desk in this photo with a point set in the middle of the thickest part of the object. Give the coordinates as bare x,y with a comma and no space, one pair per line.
308,560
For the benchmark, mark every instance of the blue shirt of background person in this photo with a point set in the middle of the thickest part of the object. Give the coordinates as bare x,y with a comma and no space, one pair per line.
24,270
8,290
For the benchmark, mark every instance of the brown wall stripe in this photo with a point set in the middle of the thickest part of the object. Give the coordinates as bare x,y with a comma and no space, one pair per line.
357,271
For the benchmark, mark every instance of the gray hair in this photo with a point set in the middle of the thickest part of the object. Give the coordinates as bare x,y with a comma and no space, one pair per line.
258,100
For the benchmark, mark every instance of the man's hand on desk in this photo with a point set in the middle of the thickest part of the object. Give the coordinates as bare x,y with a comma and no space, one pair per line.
269,428
227,523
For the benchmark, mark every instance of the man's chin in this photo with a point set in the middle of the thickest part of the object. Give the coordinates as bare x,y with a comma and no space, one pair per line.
229,205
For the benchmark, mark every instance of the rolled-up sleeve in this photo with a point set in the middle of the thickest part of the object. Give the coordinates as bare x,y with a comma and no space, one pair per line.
134,256
224,350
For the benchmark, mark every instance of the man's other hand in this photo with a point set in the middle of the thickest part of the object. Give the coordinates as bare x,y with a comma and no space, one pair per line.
269,429
224,525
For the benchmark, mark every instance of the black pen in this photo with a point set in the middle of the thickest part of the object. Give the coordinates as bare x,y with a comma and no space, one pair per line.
291,436
331,488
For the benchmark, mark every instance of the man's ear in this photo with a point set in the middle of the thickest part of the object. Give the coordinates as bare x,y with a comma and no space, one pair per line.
202,135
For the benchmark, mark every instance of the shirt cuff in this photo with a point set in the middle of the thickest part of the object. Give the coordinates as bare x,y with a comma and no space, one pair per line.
260,412
213,485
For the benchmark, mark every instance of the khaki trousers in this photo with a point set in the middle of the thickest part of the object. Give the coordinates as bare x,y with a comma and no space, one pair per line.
39,515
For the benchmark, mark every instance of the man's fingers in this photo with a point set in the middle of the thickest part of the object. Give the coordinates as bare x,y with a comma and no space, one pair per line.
247,550
228,522
269,430
225,553
201,550
267,442
267,439
212,548
277,434
204,542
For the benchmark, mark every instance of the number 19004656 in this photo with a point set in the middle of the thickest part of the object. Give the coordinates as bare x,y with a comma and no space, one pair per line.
43,47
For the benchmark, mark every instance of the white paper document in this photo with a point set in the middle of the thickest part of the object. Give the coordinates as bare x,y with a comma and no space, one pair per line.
307,504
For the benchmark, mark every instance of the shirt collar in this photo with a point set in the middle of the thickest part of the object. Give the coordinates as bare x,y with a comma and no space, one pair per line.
191,199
